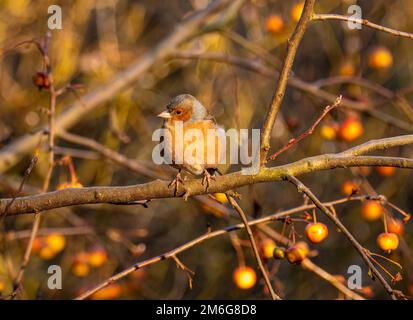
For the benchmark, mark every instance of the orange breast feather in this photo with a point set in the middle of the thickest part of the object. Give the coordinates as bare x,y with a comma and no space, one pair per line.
211,147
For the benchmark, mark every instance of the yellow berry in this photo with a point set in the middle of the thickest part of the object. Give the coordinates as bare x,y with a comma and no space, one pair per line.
388,241
380,58
268,247
56,242
274,23
371,210
328,132
244,277
221,197
296,11
97,258
350,129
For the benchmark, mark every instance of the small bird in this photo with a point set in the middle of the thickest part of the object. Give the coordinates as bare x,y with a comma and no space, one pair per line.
187,111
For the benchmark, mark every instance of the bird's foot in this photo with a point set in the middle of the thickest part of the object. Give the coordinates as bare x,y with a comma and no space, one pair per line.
206,180
176,182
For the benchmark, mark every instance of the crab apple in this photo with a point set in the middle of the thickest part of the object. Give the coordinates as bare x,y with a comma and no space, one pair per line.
395,226
316,232
388,241
268,247
296,11
56,242
109,292
297,252
96,258
328,131
349,187
221,197
350,129
385,171
371,210
244,277
380,58
274,23
279,253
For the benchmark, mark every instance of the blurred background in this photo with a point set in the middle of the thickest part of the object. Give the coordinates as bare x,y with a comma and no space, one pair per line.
99,39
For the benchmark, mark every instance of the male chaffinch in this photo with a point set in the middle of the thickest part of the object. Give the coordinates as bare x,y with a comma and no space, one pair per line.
187,111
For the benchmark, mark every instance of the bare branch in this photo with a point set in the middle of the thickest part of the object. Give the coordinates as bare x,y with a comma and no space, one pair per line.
278,96
159,189
364,22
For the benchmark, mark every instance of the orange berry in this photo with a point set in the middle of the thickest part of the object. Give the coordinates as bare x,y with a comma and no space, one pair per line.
56,242
316,232
349,187
388,241
296,11
365,171
46,253
347,69
297,252
371,210
328,132
67,185
221,197
2,286
97,258
350,129
367,291
37,245
395,226
80,269
274,23
244,277
41,80
385,171
380,58
109,292
268,247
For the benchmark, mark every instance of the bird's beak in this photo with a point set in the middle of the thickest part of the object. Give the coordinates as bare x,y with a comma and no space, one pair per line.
165,115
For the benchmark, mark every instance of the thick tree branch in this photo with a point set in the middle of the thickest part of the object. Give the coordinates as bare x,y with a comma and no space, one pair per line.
160,189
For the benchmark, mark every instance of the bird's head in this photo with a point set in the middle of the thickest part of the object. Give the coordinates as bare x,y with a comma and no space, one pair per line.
184,108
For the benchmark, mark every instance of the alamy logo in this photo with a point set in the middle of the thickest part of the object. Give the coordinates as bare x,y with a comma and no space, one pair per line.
55,20
355,278
355,12
54,282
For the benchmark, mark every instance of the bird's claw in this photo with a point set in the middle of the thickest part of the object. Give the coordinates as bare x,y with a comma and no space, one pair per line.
175,182
206,180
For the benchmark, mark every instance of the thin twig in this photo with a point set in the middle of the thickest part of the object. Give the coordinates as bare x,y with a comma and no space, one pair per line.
267,280
278,96
364,22
309,131
26,175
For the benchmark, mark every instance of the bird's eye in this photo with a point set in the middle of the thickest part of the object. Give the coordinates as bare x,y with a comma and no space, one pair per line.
178,112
